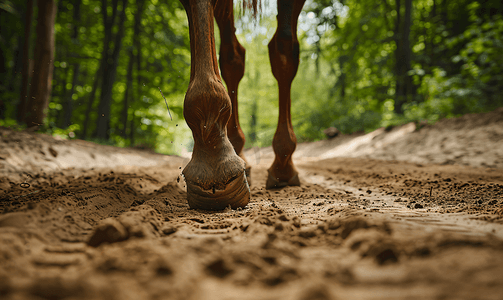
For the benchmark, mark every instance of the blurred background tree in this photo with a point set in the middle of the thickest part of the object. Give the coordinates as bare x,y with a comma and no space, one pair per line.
364,64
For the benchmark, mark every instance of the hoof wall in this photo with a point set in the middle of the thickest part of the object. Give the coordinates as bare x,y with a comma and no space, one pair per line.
236,194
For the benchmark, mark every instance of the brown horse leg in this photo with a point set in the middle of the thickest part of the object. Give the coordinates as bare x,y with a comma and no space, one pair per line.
215,175
284,58
232,66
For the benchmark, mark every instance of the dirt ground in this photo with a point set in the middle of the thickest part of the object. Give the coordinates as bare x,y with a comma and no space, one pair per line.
413,212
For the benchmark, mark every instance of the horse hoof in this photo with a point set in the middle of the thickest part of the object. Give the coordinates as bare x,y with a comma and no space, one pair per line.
235,194
274,182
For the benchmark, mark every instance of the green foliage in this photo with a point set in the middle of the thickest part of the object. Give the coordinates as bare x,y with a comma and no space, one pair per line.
11,123
165,65
455,69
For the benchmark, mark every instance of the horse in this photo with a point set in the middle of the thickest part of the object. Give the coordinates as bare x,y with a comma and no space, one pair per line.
218,174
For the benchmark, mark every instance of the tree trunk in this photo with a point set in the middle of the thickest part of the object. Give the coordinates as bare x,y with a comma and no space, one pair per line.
431,37
63,80
69,103
399,87
129,82
52,114
139,78
444,20
108,22
43,64
132,58
109,74
27,64
405,89
90,103
76,67
410,88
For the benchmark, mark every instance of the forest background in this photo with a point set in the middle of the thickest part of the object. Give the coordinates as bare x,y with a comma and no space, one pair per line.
364,64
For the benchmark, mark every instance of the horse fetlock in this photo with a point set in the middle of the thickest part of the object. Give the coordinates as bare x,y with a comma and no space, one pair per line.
207,110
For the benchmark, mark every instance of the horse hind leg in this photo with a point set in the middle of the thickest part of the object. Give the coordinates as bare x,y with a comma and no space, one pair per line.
284,58
232,66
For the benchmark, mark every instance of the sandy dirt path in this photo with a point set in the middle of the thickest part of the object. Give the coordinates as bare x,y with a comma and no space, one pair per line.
394,214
